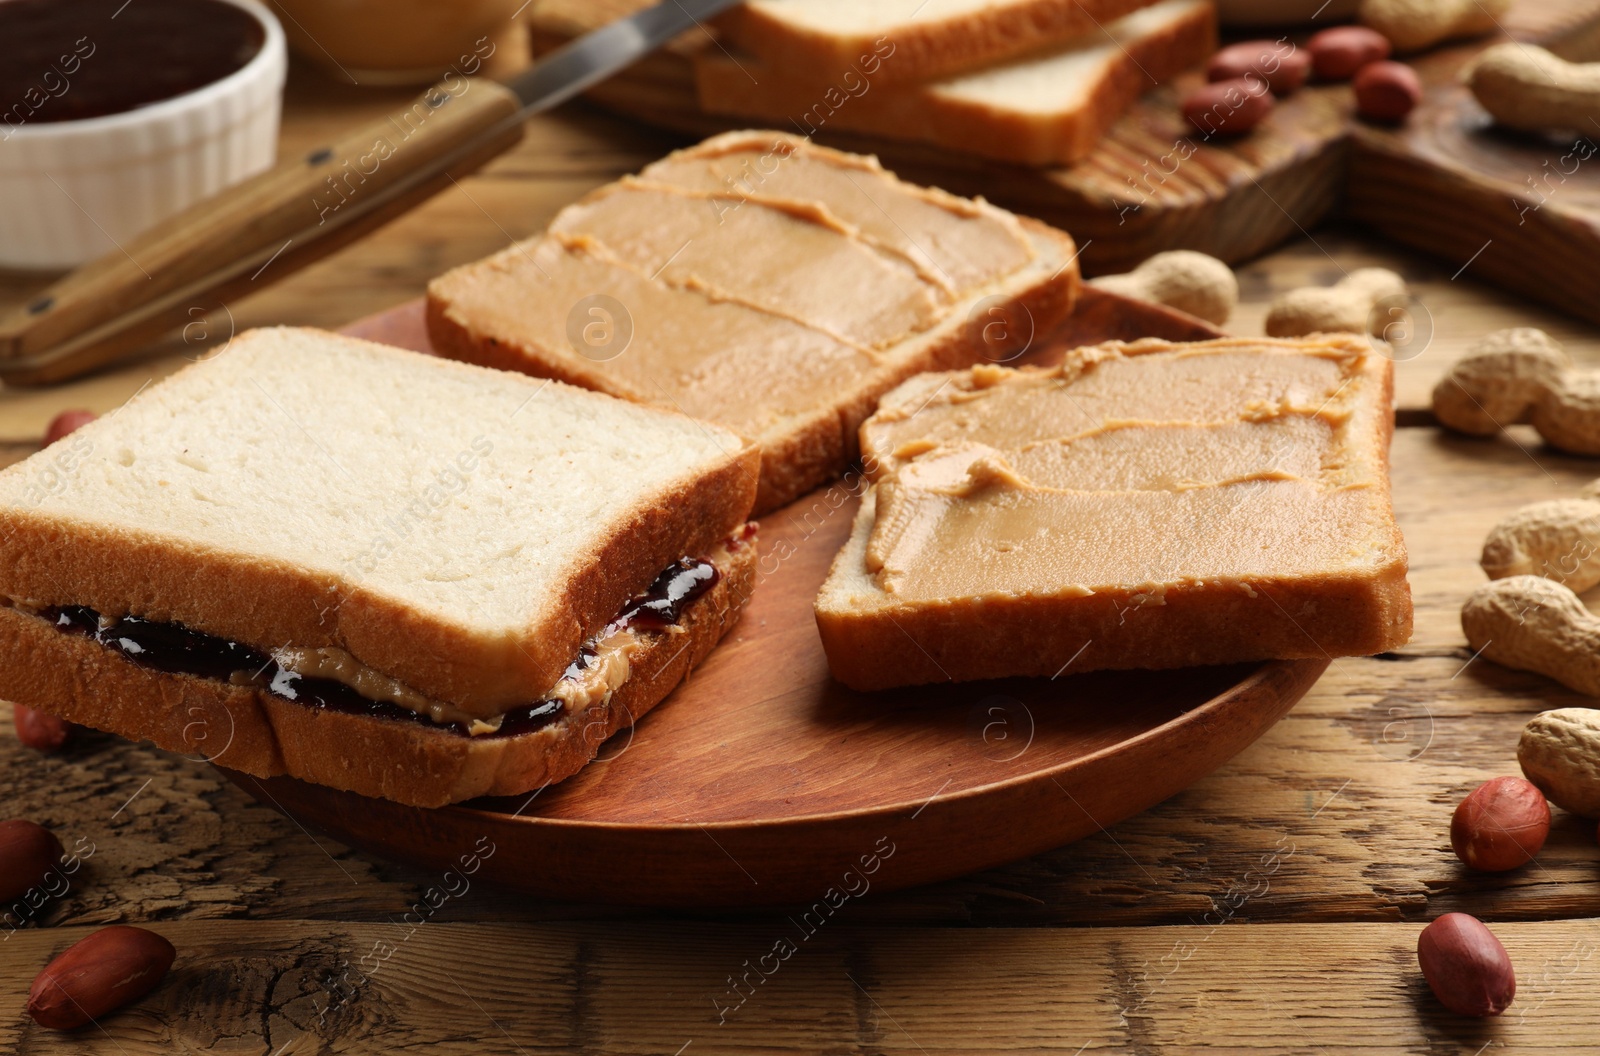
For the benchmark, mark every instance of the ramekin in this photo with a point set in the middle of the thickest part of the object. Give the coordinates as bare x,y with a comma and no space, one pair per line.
71,191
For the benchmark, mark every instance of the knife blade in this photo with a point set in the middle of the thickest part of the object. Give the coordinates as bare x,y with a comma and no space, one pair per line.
262,230
585,62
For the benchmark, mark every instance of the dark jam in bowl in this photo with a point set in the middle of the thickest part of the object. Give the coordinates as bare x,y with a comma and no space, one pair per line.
175,649
64,60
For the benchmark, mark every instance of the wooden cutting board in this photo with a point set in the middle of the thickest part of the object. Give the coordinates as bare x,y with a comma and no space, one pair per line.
1520,211
761,781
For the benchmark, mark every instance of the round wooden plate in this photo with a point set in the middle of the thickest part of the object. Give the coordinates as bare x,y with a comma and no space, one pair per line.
760,780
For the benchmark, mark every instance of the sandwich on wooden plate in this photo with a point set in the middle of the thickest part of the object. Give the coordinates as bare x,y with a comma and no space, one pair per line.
764,283
370,568
1145,505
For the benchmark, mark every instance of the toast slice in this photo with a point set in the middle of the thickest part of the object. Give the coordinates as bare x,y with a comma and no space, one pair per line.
1145,505
1047,108
324,535
912,40
761,282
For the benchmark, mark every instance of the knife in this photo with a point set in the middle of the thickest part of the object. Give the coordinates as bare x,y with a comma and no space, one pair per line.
261,230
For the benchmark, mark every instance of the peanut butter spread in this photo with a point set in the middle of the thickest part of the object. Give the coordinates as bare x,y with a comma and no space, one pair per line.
955,242
1129,467
340,666
819,261
812,271
581,687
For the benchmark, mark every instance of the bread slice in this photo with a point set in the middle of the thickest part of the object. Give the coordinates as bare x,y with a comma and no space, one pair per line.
257,732
1145,505
912,40
441,537
1048,108
761,282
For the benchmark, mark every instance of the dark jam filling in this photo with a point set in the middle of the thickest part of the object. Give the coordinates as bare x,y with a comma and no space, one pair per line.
176,650
64,60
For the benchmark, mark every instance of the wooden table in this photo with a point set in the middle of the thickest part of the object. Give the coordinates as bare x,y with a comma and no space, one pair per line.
1273,907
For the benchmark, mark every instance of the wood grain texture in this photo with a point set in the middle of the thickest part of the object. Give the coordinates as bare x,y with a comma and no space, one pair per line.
776,986
1523,211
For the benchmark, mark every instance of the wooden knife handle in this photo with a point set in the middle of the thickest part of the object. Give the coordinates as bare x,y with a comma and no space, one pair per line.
258,231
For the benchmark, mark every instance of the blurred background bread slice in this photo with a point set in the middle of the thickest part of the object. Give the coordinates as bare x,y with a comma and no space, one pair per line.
1047,108
928,38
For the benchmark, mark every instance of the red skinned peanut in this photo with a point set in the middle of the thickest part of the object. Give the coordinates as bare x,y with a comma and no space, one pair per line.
1282,65
1228,108
66,422
1338,53
27,854
39,731
111,968
1387,91
1466,967
1501,825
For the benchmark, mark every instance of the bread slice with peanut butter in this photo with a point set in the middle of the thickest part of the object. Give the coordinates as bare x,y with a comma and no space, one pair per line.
1145,505
761,282
370,568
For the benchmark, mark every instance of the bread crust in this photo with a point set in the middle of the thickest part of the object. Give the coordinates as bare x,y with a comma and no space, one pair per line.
922,113
927,49
1304,617
1000,638
255,732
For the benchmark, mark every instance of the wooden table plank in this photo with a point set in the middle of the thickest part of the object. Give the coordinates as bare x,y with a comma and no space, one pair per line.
305,986
1355,790
1452,490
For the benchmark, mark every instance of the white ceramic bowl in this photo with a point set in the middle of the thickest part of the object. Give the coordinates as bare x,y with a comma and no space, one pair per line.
73,190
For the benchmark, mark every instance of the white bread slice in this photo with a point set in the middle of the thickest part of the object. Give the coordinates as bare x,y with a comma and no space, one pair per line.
456,529
915,40
1048,108
790,287
258,733
1146,505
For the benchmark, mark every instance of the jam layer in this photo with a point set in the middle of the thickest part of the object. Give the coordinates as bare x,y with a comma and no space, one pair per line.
175,649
